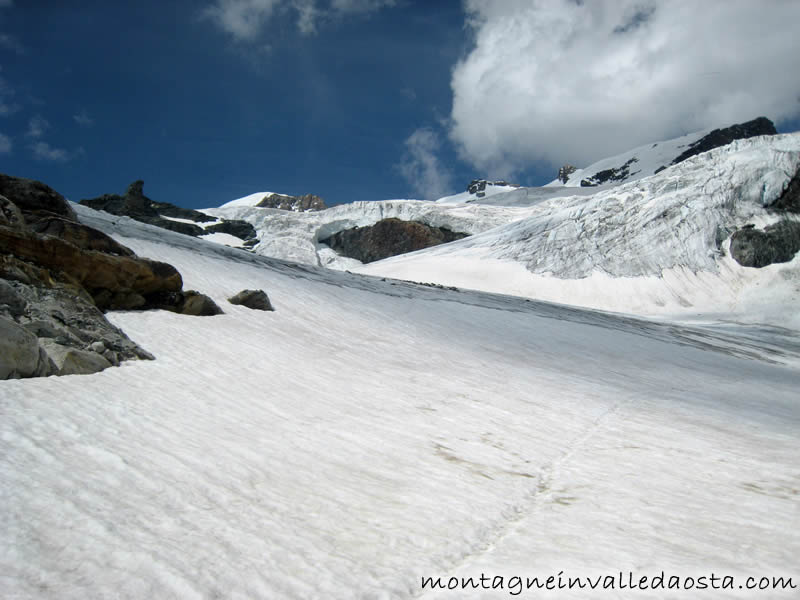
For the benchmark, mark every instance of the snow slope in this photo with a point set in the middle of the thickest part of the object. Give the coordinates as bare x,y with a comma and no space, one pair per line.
372,433
645,159
654,246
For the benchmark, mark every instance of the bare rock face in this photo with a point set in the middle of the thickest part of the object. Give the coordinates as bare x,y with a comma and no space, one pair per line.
723,137
388,237
303,203
254,299
775,244
34,199
241,229
136,205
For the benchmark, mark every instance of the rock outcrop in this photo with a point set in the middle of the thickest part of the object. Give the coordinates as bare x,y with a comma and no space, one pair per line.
255,299
57,276
775,244
723,137
241,229
388,237
303,203
478,186
136,205
620,173
565,171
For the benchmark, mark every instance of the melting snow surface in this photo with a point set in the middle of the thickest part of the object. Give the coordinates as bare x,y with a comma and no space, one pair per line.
370,433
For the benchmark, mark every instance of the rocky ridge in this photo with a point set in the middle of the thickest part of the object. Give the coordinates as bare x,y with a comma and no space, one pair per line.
136,205
306,202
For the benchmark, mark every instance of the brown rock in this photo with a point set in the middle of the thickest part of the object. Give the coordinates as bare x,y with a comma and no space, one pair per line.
35,199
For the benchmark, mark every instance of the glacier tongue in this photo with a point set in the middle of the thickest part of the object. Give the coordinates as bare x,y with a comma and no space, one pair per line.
653,246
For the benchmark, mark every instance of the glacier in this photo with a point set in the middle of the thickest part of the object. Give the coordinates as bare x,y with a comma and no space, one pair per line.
371,433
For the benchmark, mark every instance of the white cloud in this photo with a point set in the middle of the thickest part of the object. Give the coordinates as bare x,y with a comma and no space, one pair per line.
6,93
242,19
571,81
245,19
11,43
422,168
5,144
37,126
83,119
44,151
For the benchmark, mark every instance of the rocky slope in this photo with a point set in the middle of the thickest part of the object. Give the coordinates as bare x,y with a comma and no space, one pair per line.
57,276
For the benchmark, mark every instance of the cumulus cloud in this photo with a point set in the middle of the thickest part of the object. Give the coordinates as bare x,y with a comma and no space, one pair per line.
572,81
245,19
37,126
11,43
5,144
83,119
7,107
44,151
422,168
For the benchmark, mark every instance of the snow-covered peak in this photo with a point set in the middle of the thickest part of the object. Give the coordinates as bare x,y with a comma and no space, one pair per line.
652,158
250,200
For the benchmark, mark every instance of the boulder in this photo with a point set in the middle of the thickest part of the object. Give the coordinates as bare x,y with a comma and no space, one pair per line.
20,355
255,299
72,361
198,305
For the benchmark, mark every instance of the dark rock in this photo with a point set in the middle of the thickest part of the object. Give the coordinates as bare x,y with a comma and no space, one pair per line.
307,202
176,226
73,361
80,235
11,302
136,205
20,355
70,320
34,199
388,237
564,172
609,175
776,244
198,305
241,229
165,209
723,137
92,270
189,302
479,185
10,214
789,200
255,299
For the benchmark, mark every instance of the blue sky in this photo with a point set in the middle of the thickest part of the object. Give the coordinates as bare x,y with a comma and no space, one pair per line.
368,99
